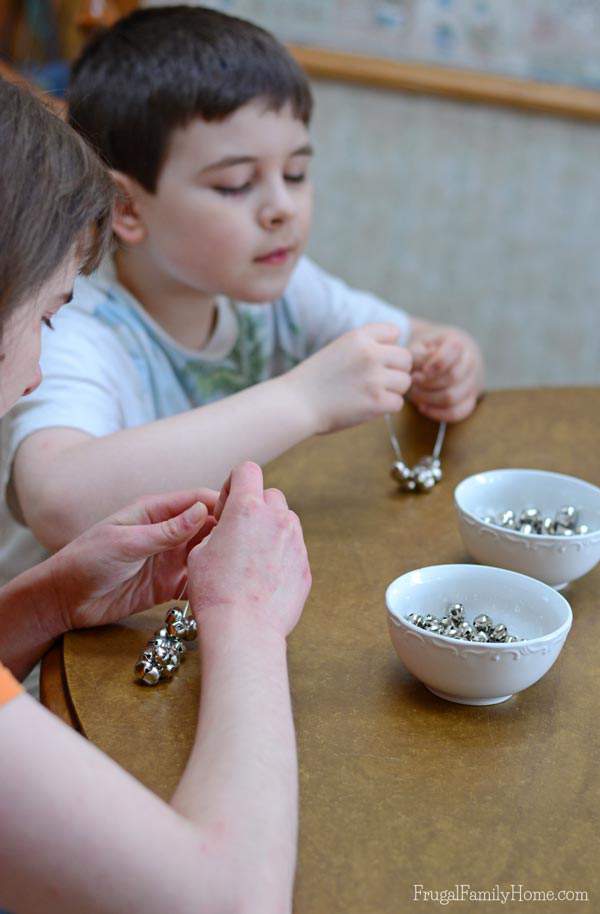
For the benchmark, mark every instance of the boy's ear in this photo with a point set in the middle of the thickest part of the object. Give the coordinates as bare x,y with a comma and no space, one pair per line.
127,222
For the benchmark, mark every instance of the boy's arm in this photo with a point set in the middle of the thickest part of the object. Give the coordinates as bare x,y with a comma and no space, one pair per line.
65,480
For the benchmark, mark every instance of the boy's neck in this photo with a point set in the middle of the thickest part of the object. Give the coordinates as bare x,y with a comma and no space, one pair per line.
186,315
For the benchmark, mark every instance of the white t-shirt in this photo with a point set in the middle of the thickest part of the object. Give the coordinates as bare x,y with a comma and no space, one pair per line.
108,365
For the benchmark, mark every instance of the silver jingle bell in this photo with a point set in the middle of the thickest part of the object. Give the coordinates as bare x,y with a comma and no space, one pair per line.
483,622
526,528
489,519
175,623
567,516
147,673
507,519
547,526
559,530
480,636
530,516
400,472
191,629
466,631
510,639
425,481
456,612
582,529
451,631
499,632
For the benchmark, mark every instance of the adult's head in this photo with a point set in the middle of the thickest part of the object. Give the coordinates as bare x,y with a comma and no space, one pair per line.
55,204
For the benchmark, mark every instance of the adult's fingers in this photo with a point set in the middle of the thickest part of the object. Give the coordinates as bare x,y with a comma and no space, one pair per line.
276,499
152,509
246,479
144,540
222,499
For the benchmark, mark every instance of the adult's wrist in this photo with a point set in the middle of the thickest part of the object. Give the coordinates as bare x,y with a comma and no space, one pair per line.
235,626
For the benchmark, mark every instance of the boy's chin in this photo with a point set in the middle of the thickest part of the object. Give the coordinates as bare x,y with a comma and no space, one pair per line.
263,292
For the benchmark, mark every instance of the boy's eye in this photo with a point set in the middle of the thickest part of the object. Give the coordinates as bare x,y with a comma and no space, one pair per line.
295,179
48,323
230,191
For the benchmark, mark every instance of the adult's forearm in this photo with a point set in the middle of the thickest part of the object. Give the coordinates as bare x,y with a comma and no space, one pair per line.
242,773
63,491
30,619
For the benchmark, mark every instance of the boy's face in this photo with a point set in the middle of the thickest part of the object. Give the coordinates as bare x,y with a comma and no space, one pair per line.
232,210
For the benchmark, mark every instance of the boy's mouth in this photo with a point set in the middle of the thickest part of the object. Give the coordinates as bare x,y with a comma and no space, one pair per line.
275,257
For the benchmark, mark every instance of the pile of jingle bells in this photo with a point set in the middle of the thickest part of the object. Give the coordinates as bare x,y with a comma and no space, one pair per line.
453,624
531,520
166,649
423,477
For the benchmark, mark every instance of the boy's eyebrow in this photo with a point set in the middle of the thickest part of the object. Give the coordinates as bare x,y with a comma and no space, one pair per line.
230,161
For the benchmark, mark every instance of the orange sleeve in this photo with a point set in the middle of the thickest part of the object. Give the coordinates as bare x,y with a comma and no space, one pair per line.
9,687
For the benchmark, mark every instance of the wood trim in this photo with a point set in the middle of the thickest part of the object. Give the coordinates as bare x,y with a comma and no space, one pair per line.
462,85
54,691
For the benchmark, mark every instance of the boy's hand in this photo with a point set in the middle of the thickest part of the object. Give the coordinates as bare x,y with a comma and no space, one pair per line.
254,566
359,376
131,561
447,374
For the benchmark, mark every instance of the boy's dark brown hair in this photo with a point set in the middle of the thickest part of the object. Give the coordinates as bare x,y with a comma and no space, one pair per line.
54,195
158,69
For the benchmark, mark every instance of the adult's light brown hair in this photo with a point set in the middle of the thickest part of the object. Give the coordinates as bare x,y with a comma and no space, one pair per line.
55,197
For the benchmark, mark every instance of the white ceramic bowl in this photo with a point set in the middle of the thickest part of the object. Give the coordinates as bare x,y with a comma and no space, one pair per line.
462,671
554,560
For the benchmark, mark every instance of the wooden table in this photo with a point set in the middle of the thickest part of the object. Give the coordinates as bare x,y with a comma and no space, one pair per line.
398,787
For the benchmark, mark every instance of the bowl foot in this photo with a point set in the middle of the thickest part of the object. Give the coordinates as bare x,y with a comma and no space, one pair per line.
469,701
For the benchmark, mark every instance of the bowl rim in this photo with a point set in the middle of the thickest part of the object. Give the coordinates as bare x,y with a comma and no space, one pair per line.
536,537
565,626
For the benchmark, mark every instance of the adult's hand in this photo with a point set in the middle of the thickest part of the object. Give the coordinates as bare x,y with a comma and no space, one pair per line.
255,562
132,560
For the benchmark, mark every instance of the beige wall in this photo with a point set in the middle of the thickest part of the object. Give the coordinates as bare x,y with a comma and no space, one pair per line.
478,216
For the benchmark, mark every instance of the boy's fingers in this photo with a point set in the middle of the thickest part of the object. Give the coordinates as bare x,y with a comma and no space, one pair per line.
450,414
383,333
450,396
443,357
457,373
397,357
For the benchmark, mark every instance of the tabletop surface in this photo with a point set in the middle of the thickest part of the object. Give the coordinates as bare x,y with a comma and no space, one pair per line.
398,788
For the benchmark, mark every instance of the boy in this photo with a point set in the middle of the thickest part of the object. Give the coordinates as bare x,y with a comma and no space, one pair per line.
168,368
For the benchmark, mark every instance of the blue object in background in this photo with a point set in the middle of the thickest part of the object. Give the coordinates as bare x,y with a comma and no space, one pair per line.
53,77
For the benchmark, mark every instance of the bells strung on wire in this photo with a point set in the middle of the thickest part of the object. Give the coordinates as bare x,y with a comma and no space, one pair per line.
165,651
423,477
426,474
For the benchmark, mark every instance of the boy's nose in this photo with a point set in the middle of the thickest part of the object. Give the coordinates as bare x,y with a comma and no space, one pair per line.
279,208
